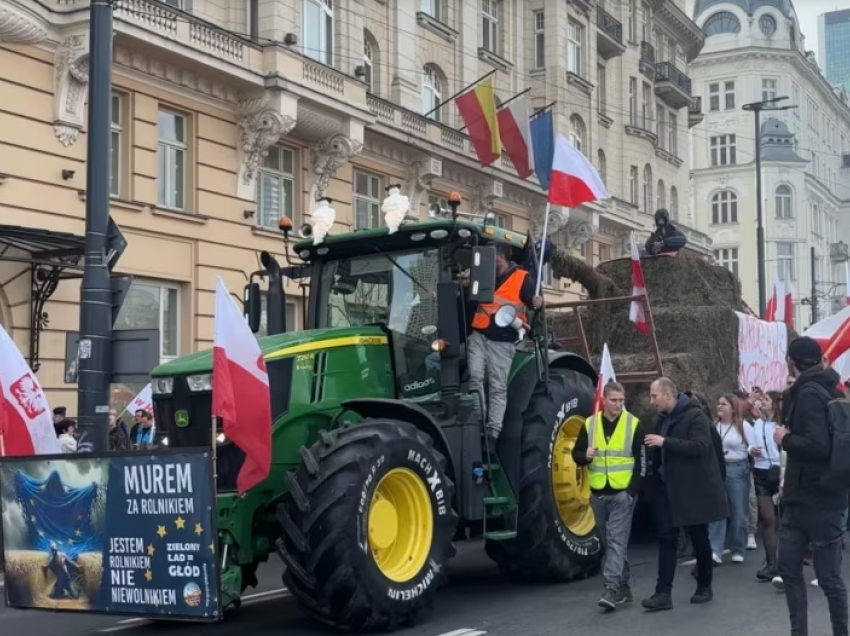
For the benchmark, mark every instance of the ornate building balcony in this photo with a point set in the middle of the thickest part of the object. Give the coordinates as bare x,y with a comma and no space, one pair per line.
672,85
647,60
609,35
695,114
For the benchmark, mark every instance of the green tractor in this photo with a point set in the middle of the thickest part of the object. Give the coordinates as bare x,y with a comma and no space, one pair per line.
379,463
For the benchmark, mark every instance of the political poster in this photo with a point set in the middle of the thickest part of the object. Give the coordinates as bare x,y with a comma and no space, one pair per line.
762,346
129,534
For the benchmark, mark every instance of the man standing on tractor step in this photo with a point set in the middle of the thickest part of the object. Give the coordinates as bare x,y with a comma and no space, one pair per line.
612,444
687,490
489,348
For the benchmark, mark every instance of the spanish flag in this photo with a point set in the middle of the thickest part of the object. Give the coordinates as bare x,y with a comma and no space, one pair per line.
477,108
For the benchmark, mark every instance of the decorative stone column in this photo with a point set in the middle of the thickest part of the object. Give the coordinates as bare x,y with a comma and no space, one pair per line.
328,156
260,125
71,78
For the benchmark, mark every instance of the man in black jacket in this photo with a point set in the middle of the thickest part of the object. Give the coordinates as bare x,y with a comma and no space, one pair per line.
667,238
688,490
812,513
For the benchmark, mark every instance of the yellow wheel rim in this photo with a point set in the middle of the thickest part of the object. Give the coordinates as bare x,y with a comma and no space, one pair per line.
570,483
400,524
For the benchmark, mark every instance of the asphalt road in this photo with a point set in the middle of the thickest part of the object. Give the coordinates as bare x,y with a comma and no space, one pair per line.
479,602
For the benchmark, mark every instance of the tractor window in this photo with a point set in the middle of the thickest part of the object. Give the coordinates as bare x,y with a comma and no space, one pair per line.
398,290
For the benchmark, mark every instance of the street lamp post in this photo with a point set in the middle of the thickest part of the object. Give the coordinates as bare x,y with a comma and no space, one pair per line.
757,108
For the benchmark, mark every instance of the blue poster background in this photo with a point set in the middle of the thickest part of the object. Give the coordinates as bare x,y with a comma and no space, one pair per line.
130,534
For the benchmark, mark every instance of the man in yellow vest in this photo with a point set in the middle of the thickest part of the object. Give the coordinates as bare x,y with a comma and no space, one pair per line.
611,445
489,348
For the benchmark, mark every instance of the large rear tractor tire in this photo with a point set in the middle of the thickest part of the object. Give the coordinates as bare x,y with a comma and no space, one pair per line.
367,525
557,537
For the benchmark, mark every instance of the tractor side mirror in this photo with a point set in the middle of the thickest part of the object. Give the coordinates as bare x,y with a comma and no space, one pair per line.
482,274
252,306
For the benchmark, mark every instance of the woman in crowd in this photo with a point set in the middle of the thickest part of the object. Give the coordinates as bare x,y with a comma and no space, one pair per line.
749,406
736,436
766,477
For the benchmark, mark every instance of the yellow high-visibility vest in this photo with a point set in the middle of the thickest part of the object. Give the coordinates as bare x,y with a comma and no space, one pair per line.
614,461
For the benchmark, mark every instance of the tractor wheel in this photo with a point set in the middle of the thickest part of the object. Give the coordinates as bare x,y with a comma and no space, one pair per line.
557,539
367,525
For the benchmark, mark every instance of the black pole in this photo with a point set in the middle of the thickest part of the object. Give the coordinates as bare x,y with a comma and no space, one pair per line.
95,350
759,221
814,294
275,297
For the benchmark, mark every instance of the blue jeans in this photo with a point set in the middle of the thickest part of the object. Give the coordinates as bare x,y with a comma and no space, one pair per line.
734,530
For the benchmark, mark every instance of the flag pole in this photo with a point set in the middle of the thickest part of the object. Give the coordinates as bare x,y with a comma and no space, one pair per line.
540,111
542,249
502,105
458,94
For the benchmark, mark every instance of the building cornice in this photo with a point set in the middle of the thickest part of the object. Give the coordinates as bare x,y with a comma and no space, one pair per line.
678,22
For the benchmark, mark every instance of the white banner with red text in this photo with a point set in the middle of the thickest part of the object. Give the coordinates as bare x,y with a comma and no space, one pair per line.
762,346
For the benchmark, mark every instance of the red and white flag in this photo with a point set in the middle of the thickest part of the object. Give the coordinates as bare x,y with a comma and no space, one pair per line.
26,422
637,313
515,130
847,282
606,375
832,334
774,311
788,302
574,180
240,389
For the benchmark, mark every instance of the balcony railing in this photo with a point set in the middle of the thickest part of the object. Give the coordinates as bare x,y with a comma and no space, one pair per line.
647,60
696,106
839,252
609,24
665,71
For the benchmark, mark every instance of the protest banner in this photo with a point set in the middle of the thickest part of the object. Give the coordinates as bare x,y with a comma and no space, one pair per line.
762,347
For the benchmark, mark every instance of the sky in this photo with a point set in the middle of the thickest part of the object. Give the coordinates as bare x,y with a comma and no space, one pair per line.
808,12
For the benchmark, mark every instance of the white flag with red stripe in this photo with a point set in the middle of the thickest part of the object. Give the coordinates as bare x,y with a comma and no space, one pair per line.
26,422
606,375
832,334
847,282
240,389
637,313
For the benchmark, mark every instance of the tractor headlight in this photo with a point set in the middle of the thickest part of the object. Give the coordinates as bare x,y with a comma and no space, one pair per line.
162,386
199,383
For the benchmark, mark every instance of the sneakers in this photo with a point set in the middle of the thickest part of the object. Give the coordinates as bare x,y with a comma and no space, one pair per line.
624,595
815,583
767,573
717,559
608,601
658,602
702,595
737,558
778,583
751,542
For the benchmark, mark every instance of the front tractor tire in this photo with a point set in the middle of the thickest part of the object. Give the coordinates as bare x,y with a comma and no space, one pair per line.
557,539
367,525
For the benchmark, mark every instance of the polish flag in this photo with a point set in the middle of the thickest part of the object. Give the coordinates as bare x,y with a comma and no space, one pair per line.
788,304
574,180
847,282
832,334
606,375
637,312
515,130
240,389
773,305
26,421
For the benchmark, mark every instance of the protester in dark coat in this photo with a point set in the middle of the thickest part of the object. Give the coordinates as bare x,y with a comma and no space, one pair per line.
667,238
715,436
689,492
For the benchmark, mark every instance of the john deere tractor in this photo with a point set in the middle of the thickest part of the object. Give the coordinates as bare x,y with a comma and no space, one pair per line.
379,464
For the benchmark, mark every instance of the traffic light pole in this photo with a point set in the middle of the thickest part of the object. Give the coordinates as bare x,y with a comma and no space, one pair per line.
95,348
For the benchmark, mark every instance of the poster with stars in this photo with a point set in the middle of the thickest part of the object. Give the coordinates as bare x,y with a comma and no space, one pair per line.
129,534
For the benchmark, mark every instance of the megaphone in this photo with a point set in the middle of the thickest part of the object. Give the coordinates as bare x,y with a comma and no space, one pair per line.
305,231
506,317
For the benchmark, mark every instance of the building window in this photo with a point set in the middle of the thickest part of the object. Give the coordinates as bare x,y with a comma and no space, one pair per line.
604,253
633,20
153,305
795,99
601,89
171,160
768,89
722,150
673,135
276,187
431,7
647,189
721,22
783,202
291,315
660,196
575,48
633,108
368,54
440,202
785,261
674,203
724,207
490,25
539,39
603,166
646,107
767,24
432,93
721,96
728,258
578,132
367,201
116,146
501,220
318,30
661,125
633,185
252,18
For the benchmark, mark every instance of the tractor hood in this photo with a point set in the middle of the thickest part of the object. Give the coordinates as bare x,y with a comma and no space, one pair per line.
280,346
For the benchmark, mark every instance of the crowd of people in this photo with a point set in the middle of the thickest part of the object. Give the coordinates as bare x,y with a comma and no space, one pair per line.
749,469
140,436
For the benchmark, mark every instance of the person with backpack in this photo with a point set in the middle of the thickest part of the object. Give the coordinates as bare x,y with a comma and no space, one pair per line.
815,486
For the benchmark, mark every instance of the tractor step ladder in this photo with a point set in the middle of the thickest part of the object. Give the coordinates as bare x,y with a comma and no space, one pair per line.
493,503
